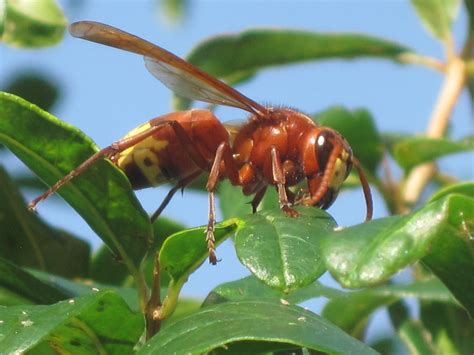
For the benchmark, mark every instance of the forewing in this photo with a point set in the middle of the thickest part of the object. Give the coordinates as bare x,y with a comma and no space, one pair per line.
177,74
187,85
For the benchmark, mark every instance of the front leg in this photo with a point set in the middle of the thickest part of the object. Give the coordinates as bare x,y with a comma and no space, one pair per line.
279,180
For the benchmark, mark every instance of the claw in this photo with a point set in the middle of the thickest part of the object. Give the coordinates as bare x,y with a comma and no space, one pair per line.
290,212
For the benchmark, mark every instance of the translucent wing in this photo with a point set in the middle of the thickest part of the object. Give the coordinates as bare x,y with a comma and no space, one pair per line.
178,75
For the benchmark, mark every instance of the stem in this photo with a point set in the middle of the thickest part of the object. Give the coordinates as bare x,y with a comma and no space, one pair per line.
413,58
390,189
171,300
450,91
142,289
153,307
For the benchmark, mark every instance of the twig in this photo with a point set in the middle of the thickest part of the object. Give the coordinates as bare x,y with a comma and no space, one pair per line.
153,307
414,58
452,87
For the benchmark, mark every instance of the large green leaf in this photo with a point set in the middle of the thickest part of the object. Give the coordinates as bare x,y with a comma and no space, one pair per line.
413,151
439,233
19,287
437,15
32,23
27,241
351,311
101,195
240,327
236,57
358,127
75,288
99,323
250,288
284,252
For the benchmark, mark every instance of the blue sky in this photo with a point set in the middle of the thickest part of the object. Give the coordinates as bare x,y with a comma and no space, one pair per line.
107,92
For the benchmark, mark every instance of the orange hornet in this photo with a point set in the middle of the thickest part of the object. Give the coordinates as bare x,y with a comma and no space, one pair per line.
275,146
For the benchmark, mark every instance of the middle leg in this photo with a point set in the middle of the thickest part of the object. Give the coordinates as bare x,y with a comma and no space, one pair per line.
223,153
279,179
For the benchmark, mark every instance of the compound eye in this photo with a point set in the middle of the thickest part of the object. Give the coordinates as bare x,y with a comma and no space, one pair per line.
328,198
324,147
348,167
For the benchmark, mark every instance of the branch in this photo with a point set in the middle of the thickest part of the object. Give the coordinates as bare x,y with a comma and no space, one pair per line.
452,87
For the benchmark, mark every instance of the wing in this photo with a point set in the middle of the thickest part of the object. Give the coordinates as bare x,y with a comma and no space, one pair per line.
178,75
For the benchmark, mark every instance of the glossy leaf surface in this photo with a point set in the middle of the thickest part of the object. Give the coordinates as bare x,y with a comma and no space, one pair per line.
439,233
250,288
184,251
86,324
101,195
463,188
284,252
252,323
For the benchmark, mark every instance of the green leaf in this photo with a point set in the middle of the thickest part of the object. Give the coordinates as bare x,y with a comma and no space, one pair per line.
101,195
83,287
32,23
181,255
22,286
107,268
99,323
390,139
437,15
34,86
370,253
463,188
450,328
183,252
174,11
358,127
352,310
250,288
283,252
451,257
29,181
413,151
470,11
233,203
235,325
415,336
237,56
27,241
